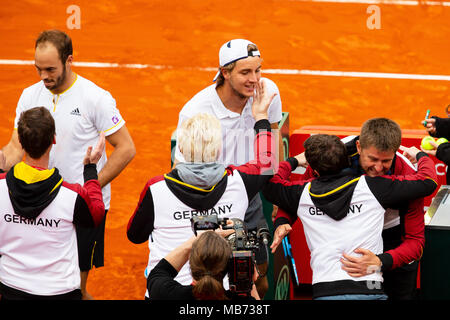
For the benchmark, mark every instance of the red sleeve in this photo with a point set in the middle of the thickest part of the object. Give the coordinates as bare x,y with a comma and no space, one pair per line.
413,239
141,223
89,207
413,226
309,174
265,159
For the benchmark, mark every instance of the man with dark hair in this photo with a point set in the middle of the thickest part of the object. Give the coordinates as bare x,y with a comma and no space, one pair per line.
326,155
60,40
382,133
230,100
340,212
208,257
403,230
440,128
81,111
36,130
39,212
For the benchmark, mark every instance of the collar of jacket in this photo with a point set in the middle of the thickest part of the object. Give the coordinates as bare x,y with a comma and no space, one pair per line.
31,190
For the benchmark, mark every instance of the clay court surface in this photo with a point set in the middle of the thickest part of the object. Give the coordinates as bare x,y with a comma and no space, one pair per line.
178,43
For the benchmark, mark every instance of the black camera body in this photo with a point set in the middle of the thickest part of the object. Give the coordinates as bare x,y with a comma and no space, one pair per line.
244,245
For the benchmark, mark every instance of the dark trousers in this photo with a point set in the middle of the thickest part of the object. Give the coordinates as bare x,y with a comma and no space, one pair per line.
401,283
8,293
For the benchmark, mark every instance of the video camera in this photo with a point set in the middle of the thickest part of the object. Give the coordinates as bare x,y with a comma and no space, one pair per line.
244,244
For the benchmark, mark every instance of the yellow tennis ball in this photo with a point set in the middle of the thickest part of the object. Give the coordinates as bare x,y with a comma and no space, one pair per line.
426,143
441,140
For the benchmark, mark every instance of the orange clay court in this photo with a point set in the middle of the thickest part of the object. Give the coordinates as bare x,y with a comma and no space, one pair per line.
176,46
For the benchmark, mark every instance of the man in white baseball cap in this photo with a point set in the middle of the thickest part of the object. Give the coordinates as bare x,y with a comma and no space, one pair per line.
240,49
230,100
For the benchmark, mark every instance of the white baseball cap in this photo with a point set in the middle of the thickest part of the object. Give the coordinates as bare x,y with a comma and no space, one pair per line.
235,50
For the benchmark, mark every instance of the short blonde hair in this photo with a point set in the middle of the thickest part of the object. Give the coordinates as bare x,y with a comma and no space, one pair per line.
200,138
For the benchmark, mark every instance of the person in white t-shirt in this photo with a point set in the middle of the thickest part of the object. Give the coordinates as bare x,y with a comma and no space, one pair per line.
81,110
230,100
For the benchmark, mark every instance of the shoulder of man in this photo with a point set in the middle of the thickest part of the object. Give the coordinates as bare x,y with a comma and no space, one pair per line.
29,91
201,100
28,98
89,85
271,85
442,127
35,86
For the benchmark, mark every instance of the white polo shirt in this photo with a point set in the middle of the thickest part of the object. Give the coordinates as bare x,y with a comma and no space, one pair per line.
237,129
81,113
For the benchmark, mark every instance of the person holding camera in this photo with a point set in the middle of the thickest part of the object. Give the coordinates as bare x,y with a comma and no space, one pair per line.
208,256
201,185
341,212
440,128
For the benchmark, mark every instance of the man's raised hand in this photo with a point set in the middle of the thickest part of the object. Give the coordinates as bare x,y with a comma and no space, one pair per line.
93,155
261,101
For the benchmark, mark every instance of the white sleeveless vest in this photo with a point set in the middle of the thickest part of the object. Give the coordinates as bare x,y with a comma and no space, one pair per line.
328,239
